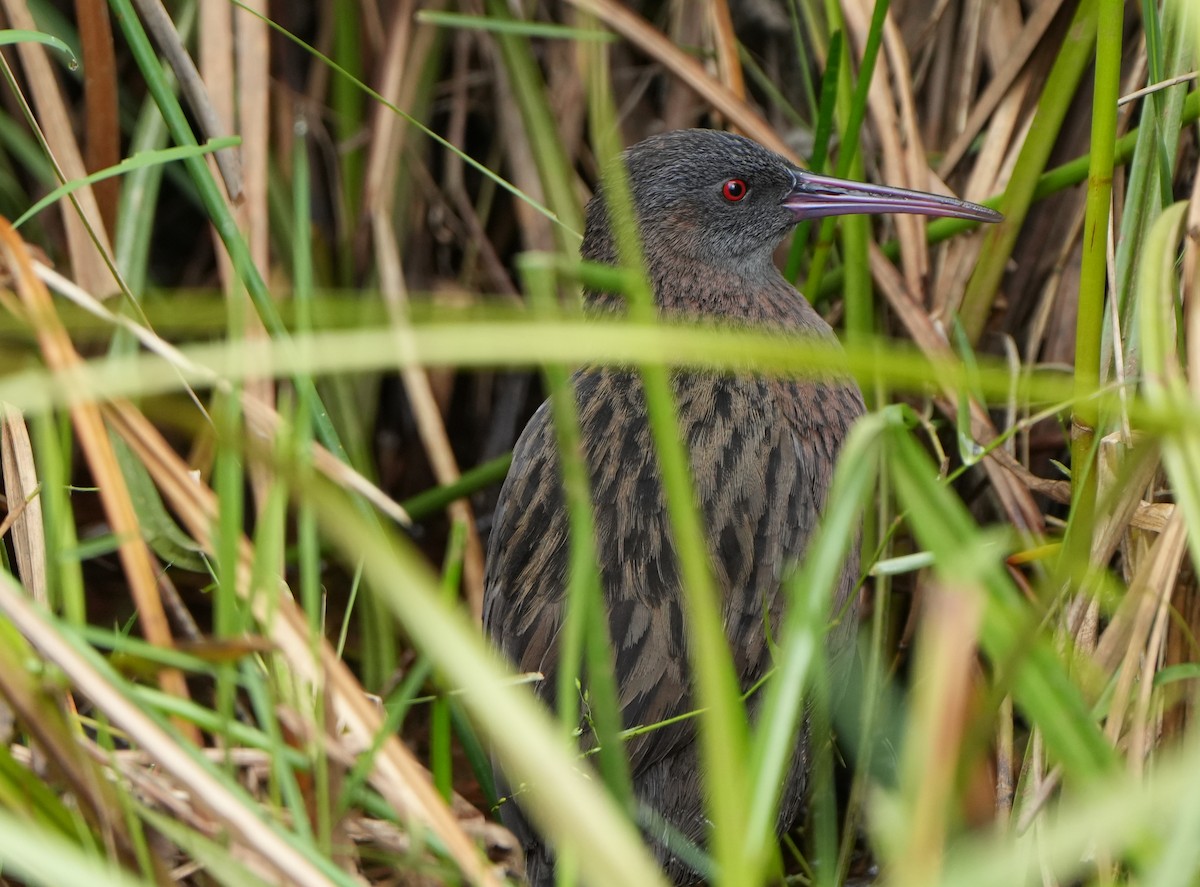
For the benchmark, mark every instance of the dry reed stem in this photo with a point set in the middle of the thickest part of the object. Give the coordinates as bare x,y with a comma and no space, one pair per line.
538,233
1031,37
1006,779
87,240
214,86
1124,642
1144,728
253,69
1040,785
212,120
901,153
729,66
21,489
100,95
59,355
969,52
265,422
430,425
1123,490
389,132
916,172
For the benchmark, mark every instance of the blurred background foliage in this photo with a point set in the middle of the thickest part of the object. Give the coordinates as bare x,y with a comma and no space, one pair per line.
269,335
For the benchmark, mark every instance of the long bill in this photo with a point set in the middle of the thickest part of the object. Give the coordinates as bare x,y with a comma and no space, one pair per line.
813,197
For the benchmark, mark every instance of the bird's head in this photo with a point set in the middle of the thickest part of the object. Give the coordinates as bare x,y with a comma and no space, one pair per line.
726,201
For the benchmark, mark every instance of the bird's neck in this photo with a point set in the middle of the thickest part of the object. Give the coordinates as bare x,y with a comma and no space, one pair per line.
753,293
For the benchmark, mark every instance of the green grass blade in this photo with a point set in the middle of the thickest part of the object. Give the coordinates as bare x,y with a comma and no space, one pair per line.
1039,681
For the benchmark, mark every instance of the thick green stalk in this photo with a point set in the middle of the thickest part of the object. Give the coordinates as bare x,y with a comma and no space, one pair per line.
431,501
441,753
821,133
802,652
1148,184
1089,329
585,646
308,541
855,229
1052,108
723,726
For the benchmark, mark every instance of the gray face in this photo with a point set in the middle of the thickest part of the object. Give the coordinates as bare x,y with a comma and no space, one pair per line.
721,200
712,197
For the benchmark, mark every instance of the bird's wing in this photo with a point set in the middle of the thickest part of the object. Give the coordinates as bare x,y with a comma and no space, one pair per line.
761,462
527,558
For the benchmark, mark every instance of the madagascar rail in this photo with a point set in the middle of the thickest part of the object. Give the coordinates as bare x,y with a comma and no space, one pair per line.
711,209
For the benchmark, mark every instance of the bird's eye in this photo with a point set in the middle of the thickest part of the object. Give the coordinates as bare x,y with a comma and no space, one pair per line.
734,190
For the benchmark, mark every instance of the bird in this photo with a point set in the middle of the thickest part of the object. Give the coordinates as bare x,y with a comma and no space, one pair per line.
711,208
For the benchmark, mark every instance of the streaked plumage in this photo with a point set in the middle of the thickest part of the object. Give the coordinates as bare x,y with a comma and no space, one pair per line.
762,454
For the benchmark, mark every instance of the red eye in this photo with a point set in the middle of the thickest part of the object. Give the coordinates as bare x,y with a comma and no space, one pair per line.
734,190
